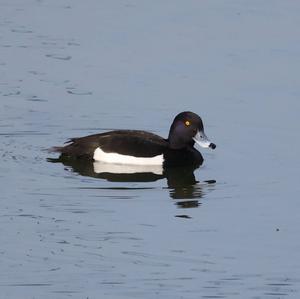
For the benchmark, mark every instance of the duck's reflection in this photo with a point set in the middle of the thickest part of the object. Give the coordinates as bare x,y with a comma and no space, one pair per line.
181,181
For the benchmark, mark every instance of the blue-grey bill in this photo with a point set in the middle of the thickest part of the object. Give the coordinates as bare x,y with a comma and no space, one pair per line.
201,139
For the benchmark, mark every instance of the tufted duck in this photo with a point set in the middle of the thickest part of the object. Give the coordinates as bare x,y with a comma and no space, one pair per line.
134,147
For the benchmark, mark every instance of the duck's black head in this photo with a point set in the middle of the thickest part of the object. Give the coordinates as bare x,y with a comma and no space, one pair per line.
186,129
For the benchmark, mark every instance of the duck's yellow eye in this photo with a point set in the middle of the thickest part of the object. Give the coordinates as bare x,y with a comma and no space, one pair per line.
187,123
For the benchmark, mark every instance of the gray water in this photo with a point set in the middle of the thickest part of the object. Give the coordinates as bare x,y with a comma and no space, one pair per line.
73,68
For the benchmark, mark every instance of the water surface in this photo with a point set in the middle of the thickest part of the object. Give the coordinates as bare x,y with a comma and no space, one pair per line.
73,68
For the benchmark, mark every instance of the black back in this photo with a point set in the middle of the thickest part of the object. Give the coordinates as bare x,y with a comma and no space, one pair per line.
126,142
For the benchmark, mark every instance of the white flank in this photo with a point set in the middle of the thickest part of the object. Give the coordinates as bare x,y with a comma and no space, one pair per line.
100,167
100,155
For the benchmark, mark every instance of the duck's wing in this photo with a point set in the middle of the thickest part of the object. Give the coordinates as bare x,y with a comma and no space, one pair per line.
126,142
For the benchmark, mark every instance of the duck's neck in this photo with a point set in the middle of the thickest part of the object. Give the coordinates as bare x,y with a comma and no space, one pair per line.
177,143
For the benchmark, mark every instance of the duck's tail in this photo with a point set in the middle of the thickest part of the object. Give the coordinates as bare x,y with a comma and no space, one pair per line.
55,149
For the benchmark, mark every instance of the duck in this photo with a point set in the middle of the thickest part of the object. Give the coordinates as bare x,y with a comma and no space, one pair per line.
137,147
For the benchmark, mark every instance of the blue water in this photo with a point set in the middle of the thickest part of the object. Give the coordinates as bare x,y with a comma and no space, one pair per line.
73,68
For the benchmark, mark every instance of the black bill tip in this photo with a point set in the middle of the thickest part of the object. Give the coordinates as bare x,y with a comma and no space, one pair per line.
212,146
